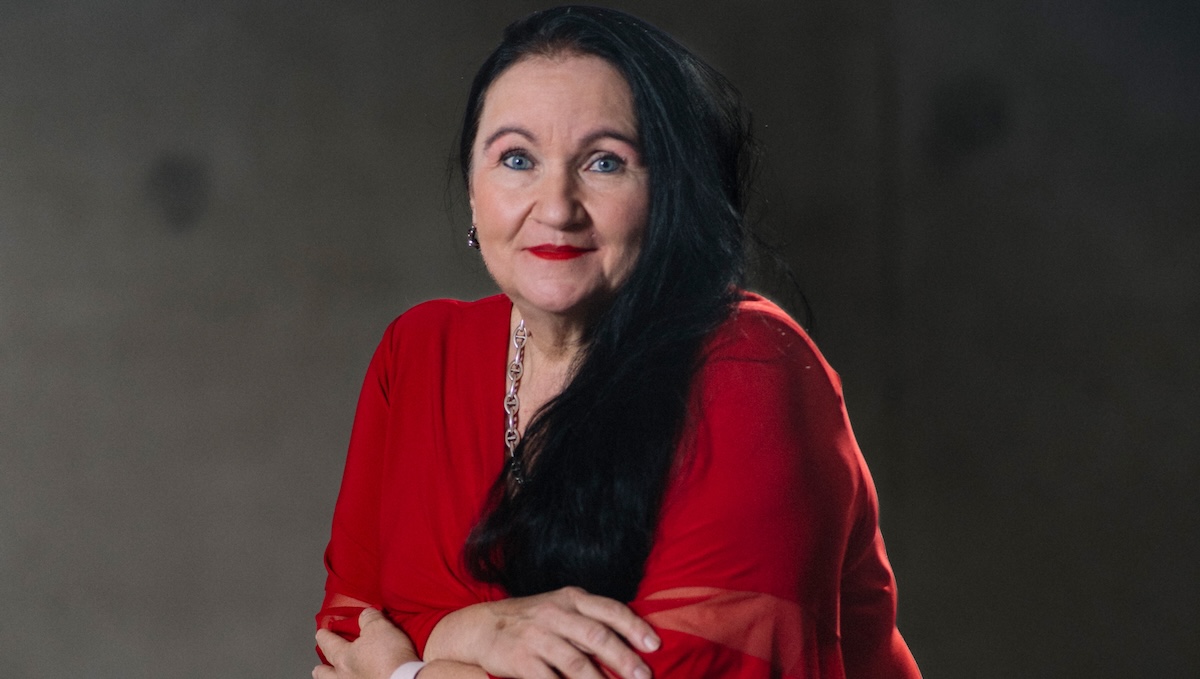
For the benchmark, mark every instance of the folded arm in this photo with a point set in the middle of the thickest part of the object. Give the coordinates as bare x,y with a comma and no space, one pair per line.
766,562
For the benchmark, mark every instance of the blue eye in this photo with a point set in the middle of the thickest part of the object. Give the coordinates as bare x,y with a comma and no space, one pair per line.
606,164
516,161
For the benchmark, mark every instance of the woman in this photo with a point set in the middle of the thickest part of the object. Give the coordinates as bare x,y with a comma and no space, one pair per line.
663,481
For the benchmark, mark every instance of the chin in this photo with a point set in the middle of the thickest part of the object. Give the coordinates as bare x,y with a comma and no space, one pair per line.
558,307
564,302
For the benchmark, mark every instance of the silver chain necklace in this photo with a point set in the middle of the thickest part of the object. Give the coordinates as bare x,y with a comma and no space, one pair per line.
512,404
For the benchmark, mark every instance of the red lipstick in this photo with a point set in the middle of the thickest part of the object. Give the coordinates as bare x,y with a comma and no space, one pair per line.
547,251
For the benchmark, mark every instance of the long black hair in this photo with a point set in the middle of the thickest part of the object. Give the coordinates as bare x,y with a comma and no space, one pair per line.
603,449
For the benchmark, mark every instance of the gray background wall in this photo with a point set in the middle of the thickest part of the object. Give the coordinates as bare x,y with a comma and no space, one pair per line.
209,211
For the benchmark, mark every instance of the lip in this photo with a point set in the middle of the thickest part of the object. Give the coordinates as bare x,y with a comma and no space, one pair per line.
548,251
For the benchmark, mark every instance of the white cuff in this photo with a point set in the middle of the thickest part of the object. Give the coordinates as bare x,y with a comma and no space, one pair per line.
408,670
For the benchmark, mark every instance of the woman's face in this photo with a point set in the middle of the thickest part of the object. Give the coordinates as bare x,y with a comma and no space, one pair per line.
558,191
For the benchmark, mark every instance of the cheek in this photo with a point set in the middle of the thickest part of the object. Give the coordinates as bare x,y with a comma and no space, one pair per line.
627,236
498,267
634,218
494,208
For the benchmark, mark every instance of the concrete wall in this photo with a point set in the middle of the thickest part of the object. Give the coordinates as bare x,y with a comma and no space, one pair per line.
208,213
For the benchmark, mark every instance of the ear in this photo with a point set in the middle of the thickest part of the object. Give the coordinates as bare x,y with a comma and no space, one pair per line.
471,202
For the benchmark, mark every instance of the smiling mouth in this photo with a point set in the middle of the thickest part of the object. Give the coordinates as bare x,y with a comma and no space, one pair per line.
558,251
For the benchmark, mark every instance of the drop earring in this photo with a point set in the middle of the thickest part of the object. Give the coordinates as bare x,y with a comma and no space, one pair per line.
473,237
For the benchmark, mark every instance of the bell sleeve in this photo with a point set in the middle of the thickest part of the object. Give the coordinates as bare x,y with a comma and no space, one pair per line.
768,560
397,525
352,555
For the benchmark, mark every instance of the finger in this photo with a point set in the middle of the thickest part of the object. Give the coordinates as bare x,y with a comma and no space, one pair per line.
594,638
620,618
569,660
331,645
324,672
368,616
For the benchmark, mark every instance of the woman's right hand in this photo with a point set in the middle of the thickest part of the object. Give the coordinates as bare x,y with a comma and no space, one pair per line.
556,634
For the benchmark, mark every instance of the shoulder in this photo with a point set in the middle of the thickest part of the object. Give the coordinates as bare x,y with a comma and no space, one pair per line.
433,333
434,321
761,338
769,451
437,313
766,397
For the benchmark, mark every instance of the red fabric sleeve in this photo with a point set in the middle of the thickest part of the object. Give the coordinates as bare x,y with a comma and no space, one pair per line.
418,469
767,561
760,568
352,555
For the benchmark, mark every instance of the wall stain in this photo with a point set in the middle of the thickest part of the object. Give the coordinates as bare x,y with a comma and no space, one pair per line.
178,186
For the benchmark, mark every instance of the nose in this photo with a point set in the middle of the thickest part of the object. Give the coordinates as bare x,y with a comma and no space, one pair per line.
558,203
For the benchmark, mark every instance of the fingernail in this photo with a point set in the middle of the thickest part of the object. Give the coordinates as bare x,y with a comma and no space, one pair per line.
651,642
641,673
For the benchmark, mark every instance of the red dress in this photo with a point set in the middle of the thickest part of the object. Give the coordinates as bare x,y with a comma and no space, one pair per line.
768,560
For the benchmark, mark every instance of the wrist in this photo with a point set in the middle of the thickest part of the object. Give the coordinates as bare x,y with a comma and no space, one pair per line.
452,636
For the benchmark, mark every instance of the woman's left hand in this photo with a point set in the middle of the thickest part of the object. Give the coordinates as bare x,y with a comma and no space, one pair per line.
564,633
381,647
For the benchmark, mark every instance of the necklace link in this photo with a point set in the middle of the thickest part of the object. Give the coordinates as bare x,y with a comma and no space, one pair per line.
512,404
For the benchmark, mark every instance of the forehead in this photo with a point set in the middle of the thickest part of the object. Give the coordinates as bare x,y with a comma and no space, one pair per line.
562,91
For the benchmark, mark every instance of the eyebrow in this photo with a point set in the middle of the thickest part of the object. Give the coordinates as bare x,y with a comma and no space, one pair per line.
508,130
609,133
602,133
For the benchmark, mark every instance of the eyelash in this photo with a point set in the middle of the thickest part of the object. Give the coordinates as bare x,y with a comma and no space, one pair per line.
514,153
522,154
618,161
